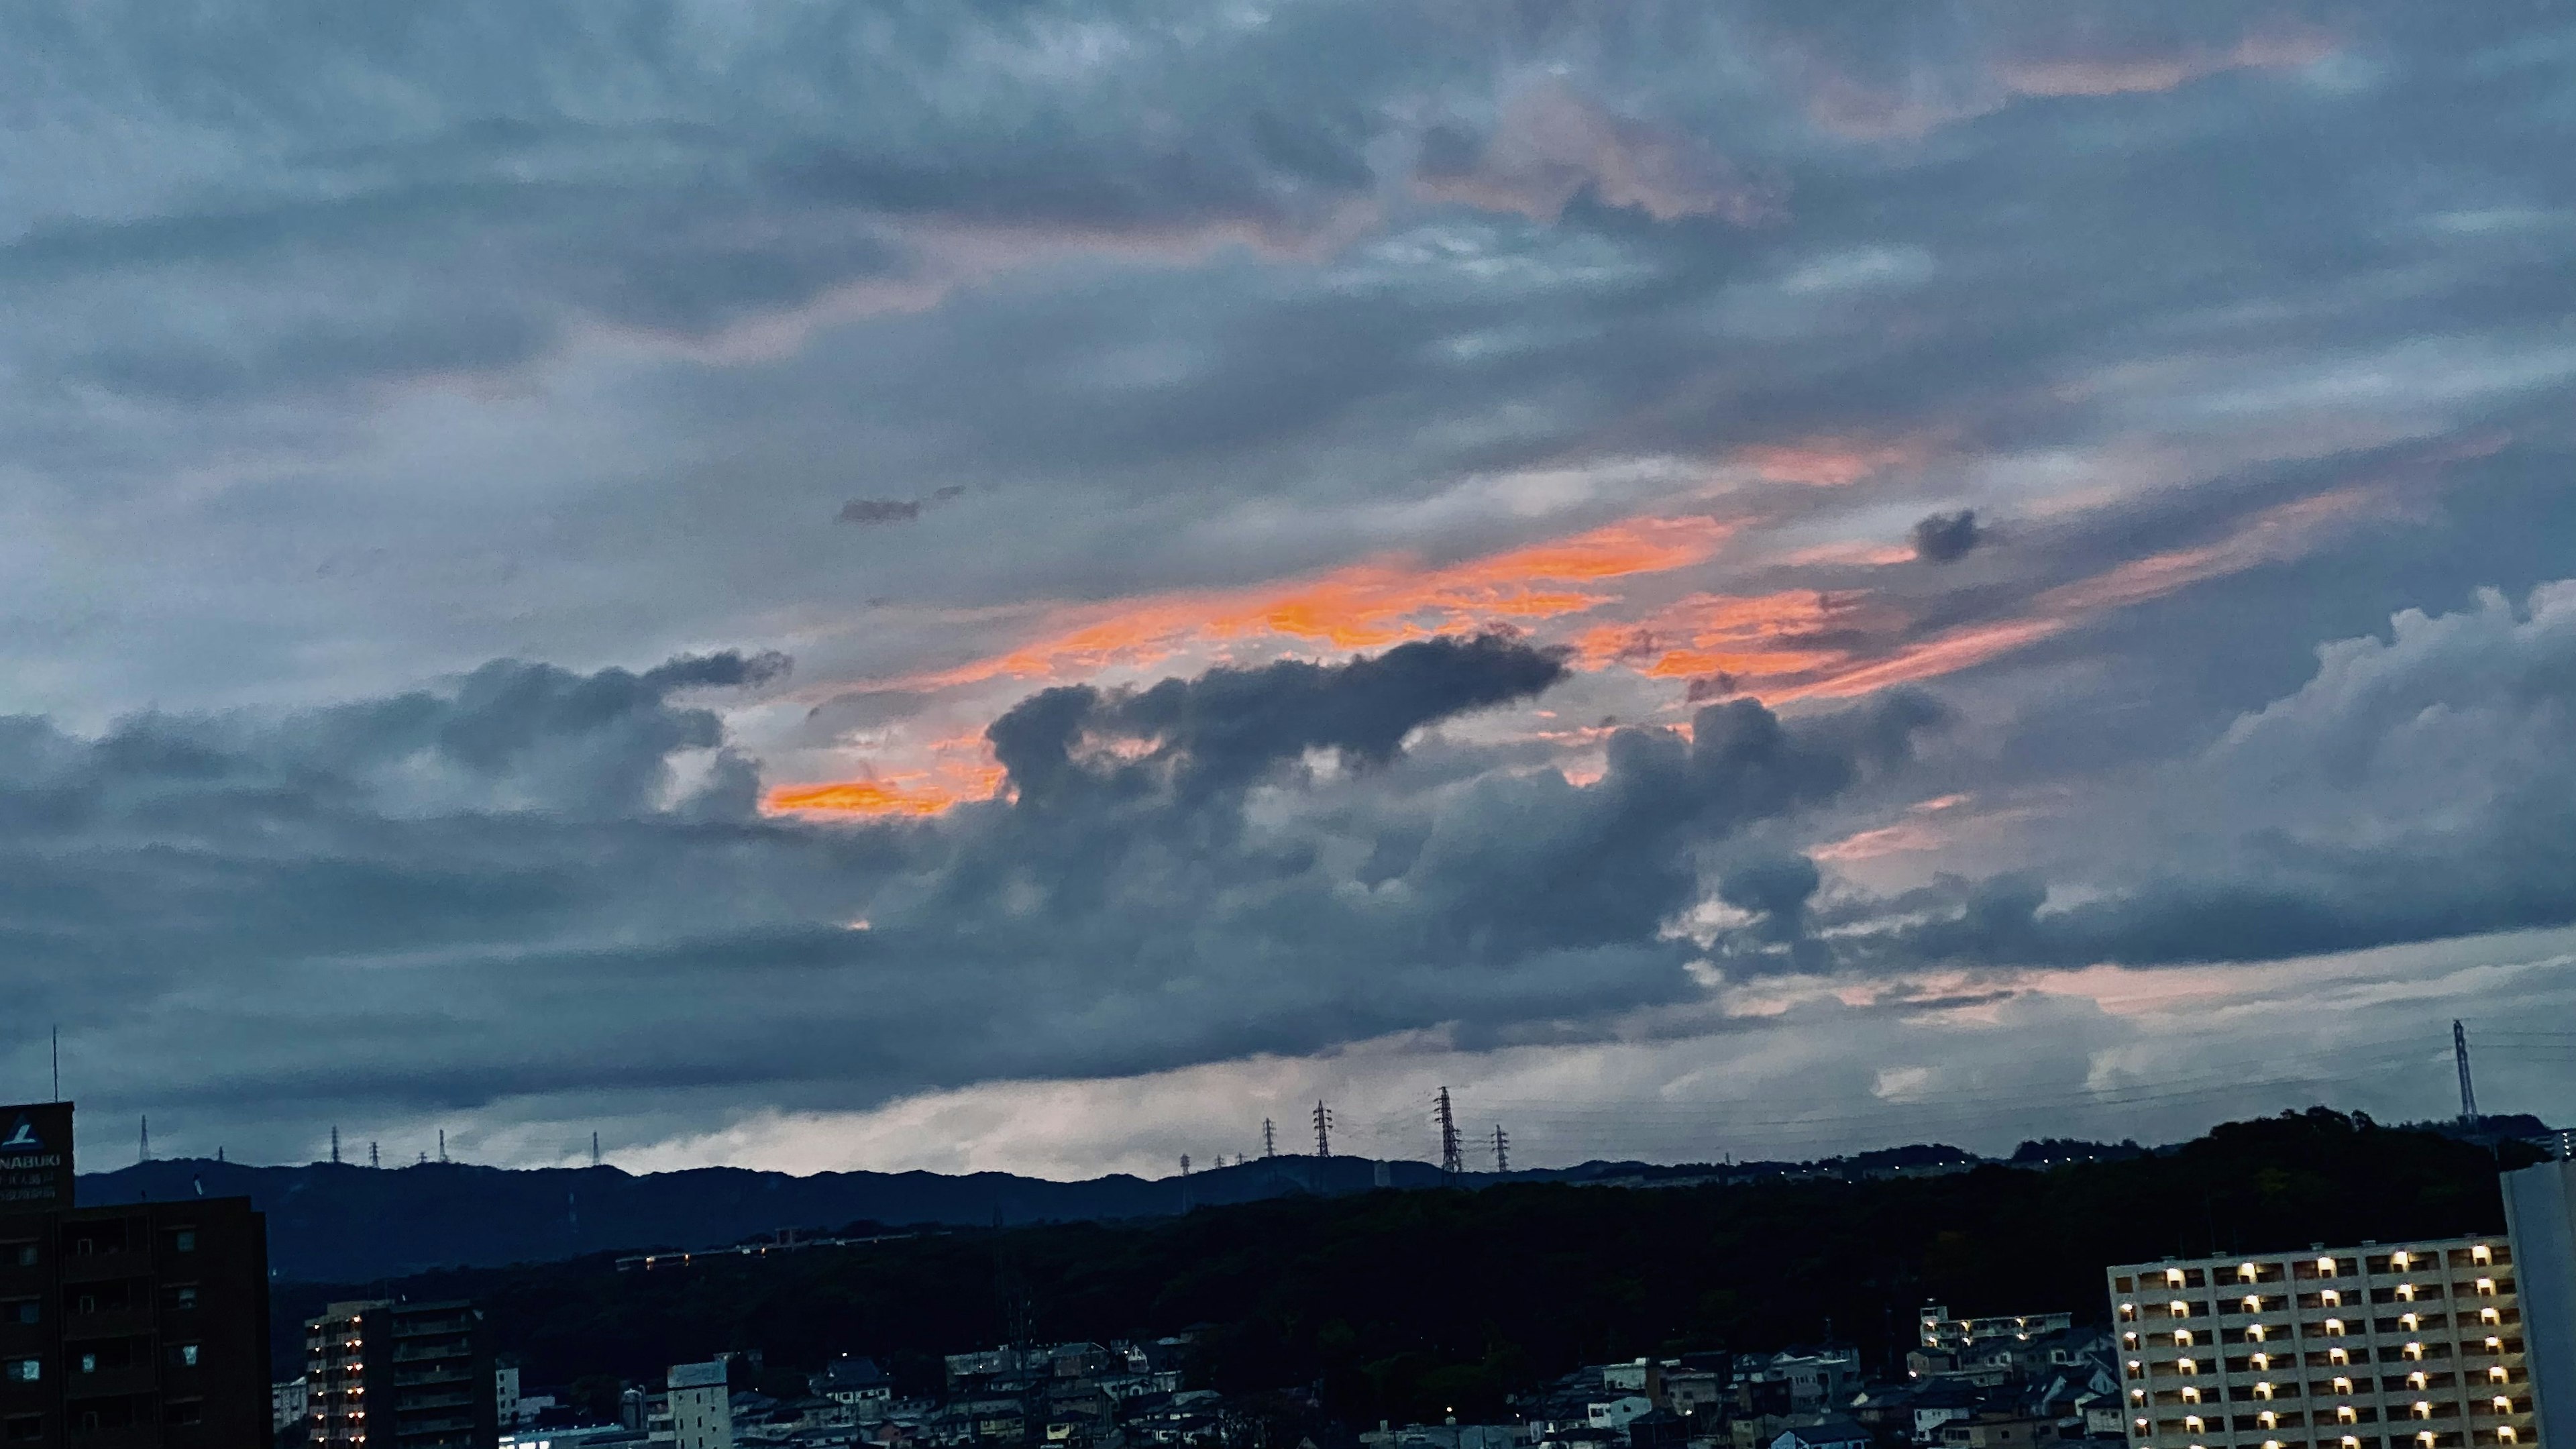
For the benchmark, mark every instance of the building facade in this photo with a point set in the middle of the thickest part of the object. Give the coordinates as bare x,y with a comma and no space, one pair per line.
698,1408
2540,1211
399,1376
125,1327
2397,1346
1939,1331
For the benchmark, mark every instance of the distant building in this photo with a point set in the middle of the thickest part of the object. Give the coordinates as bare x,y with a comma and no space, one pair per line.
286,1403
400,1376
1939,1331
1833,1433
141,1324
1994,1431
2415,1345
697,1413
505,1395
853,1381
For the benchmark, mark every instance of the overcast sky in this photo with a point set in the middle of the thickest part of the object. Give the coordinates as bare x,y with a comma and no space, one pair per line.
1029,585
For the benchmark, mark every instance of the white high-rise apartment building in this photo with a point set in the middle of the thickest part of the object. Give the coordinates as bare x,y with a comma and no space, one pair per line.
2398,1346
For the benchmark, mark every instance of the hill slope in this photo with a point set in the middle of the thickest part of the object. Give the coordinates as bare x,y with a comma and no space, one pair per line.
1403,1304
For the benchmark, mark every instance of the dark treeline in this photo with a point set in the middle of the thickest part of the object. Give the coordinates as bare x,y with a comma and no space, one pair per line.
1406,1304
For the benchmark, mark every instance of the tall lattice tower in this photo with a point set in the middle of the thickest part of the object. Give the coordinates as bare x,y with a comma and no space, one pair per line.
1502,1149
1452,1161
1323,1129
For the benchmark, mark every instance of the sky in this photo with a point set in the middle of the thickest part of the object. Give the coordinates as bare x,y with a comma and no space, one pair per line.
1032,584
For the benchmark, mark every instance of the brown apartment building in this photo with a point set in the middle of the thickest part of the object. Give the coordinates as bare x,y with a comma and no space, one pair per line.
2415,1345
127,1326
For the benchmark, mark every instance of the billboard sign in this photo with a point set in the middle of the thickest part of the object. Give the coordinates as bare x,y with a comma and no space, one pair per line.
36,1155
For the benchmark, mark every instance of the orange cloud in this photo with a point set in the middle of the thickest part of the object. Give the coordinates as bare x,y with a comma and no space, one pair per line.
962,771
1365,605
1829,462
2106,75
1744,636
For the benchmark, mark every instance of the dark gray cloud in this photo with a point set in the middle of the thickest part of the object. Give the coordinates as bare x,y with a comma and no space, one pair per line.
1946,537
1224,728
870,511
522,845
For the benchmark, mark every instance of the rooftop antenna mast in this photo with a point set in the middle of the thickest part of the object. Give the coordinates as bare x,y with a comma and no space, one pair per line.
1452,1161
2468,1094
1323,1129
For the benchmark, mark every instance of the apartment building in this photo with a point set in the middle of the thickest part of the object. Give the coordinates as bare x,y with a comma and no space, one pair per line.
399,1376
133,1324
2385,1346
1941,1332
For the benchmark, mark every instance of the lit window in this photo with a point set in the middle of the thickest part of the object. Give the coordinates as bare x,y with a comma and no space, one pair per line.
2192,1423
2128,1311
2253,1304
2349,1442
2142,1424
2263,1390
2254,1332
2347,1414
2486,1287
2415,1350
2504,1434
2245,1272
2495,1373
2343,1386
2399,1259
2180,1309
2337,1355
2191,1396
2415,1380
2137,1396
2481,1254
2326,1267
2331,1297
2421,1409
2503,1404
2268,1419
2261,1360
2406,1292
2409,1322
2182,1338
2494,1344
2489,1315
2334,1327
2173,1277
